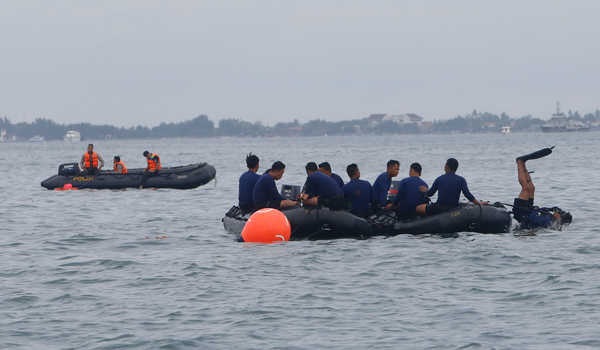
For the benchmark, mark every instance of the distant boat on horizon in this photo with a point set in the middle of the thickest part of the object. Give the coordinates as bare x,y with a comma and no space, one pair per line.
37,138
505,130
72,136
560,123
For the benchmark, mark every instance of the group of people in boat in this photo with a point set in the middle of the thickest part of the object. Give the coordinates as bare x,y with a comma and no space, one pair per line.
327,189
92,162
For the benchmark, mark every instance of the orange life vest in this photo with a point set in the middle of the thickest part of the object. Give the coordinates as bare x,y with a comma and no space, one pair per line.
122,165
153,164
90,161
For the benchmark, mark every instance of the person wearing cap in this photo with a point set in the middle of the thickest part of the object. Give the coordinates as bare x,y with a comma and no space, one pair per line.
152,168
321,190
325,168
265,194
91,162
118,165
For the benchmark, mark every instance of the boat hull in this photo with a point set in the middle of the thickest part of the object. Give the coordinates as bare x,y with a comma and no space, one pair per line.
316,224
181,177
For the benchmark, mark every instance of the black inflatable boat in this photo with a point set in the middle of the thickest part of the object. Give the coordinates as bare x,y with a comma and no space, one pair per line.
314,224
465,218
180,177
309,224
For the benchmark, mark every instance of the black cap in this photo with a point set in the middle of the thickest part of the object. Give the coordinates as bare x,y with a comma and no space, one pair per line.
146,153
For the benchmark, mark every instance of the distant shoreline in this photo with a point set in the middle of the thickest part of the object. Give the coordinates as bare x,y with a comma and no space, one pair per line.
203,127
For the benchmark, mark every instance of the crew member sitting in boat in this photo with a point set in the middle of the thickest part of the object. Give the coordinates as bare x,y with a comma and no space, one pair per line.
119,166
449,186
358,192
382,184
528,215
265,194
246,184
411,198
321,190
325,168
91,162
152,168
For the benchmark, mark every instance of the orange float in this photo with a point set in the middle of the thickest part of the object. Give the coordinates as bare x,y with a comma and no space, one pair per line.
267,226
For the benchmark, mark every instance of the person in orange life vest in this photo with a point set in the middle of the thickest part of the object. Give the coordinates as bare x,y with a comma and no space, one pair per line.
91,162
119,166
152,168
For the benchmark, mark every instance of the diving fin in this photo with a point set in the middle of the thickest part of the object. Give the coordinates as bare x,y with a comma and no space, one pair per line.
537,154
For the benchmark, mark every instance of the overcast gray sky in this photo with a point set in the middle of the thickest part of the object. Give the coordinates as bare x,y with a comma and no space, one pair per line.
127,62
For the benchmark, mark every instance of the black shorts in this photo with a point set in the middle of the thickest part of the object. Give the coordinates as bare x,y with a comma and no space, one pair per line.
522,209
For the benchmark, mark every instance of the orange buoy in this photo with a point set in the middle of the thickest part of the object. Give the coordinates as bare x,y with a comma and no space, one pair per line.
267,226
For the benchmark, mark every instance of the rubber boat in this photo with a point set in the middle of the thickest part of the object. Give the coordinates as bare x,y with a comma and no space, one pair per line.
309,224
316,224
179,177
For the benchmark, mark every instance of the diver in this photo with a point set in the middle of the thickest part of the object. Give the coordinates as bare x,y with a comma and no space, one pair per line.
91,162
325,168
382,184
528,215
411,199
152,168
449,186
246,184
265,194
358,192
321,190
119,166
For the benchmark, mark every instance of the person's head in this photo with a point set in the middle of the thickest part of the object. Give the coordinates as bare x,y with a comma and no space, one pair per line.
415,169
252,161
560,217
90,147
116,159
451,165
146,154
310,167
325,168
353,172
393,167
277,170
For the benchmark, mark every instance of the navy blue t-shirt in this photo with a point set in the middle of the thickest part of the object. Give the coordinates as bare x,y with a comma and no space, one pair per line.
359,193
265,194
246,190
449,186
337,179
409,195
381,186
319,184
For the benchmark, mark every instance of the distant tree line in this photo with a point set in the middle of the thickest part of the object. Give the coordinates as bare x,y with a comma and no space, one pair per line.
202,126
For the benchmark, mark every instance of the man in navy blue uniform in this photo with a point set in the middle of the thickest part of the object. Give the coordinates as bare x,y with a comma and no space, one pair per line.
449,186
382,184
325,168
358,192
265,194
524,211
320,189
246,184
411,199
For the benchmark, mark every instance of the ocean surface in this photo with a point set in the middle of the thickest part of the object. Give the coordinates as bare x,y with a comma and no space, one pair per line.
148,269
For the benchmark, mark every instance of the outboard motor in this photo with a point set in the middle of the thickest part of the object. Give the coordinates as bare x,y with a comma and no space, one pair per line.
69,169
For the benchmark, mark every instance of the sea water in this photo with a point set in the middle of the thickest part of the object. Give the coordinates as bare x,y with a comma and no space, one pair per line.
103,269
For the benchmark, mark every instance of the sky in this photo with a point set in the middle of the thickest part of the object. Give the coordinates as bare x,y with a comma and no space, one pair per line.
130,62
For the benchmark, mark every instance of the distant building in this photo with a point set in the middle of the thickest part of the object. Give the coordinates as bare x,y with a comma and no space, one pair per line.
3,137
